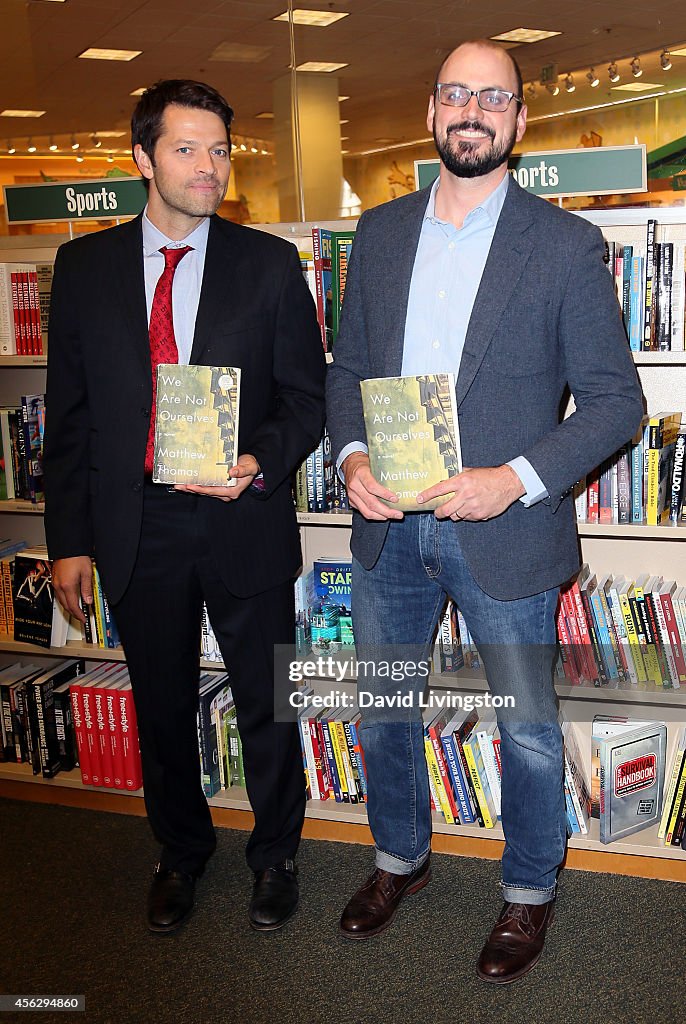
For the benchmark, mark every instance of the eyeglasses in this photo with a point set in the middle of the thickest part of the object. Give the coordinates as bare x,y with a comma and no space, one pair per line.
497,100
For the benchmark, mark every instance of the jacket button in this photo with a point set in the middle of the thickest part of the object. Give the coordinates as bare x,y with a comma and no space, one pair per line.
136,487
145,412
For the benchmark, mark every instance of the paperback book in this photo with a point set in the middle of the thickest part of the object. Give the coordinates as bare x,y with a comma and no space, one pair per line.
196,424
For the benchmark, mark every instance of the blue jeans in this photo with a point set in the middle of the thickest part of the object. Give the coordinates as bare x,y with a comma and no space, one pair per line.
395,608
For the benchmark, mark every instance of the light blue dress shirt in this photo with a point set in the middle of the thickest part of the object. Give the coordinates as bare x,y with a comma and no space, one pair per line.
187,278
447,272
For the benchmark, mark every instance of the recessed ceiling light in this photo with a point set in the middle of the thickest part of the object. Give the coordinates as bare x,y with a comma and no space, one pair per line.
96,53
319,18
525,35
111,135
22,113
240,53
344,121
636,87
266,115
139,92
319,65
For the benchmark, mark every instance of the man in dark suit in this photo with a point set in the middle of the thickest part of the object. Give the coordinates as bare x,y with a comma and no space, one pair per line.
221,295
477,277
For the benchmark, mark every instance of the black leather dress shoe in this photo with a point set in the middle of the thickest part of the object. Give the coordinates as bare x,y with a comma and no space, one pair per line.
372,909
516,942
274,897
170,900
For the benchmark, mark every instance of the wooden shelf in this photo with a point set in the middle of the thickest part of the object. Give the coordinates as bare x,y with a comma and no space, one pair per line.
659,358
633,531
23,361
16,506
643,853
75,649
325,518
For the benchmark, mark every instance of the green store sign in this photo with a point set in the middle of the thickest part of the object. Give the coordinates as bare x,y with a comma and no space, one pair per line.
568,172
100,199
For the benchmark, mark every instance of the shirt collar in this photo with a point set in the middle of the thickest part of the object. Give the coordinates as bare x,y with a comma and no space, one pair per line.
491,205
154,239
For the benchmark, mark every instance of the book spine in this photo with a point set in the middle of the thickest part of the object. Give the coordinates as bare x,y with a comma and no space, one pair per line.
115,739
133,777
80,731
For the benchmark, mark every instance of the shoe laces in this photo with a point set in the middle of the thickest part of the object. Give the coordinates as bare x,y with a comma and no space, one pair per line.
521,914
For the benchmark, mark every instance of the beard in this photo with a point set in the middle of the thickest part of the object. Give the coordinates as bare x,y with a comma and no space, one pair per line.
184,200
464,160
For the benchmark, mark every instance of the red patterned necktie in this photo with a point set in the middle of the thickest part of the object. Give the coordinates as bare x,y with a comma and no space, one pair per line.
162,341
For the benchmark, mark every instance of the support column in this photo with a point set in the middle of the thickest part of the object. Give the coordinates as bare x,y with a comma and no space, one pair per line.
318,118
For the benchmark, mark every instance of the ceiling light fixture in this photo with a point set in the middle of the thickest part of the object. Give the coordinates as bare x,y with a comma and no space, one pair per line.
531,91
320,65
613,72
97,143
320,19
98,53
79,159
31,148
569,83
525,35
74,143
53,147
553,88
10,148
636,69
593,79
21,113
665,60
110,158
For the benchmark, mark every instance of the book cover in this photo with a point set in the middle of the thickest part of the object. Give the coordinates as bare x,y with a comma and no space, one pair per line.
196,424
632,771
38,616
412,434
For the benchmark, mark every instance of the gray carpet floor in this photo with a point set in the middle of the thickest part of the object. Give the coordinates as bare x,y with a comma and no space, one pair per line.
75,884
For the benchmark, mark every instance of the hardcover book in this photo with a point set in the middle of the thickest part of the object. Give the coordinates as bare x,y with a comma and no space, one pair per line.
412,434
196,424
632,773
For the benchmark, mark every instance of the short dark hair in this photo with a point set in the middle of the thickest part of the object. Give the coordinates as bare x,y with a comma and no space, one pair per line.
146,120
486,44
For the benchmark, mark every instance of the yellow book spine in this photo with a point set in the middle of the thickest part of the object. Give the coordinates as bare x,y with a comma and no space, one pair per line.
633,637
670,791
98,611
340,767
435,771
347,764
650,658
478,788
675,808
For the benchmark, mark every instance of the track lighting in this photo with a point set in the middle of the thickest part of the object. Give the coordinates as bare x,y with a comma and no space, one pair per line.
636,69
569,83
613,72
553,88
665,60
531,91
74,143
53,147
593,79
31,148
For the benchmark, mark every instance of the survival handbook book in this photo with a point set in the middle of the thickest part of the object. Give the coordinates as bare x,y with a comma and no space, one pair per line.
413,435
632,774
196,424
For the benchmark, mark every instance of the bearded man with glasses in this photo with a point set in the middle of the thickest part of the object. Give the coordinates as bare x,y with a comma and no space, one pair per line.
477,277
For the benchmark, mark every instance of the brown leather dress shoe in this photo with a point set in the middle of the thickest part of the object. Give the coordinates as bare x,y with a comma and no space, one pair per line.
372,909
516,942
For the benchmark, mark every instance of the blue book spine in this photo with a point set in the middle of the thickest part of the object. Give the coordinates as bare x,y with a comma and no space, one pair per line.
636,304
454,762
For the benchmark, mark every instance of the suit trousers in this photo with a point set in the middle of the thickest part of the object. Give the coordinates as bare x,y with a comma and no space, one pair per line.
159,621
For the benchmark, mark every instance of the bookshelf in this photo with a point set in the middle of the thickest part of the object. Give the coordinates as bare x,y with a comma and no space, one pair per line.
631,549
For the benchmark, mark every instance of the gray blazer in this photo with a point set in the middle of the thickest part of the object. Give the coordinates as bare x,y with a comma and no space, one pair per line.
545,319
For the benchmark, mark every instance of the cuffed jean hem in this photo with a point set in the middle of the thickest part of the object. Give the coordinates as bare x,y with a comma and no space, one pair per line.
396,865
520,894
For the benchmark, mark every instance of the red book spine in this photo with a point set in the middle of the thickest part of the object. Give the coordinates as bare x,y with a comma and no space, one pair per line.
104,747
575,636
496,751
34,305
567,654
319,760
28,316
115,739
133,777
593,496
80,732
91,735
16,308
584,635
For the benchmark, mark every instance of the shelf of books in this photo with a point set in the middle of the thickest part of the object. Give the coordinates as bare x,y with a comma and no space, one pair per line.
621,623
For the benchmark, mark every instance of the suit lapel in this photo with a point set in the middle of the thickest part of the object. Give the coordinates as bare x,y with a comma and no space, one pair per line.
506,262
128,271
403,244
218,279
